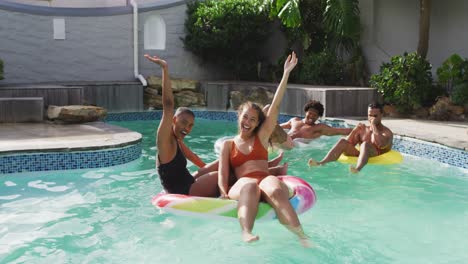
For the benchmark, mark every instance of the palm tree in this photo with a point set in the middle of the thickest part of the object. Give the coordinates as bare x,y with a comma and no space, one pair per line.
341,19
424,25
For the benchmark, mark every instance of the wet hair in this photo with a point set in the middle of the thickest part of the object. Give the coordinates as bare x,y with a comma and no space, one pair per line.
256,107
376,106
316,105
184,110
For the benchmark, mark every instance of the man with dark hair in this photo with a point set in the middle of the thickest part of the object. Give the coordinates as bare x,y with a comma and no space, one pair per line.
374,140
307,128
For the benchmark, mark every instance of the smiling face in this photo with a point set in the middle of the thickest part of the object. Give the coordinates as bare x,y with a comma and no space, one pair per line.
248,121
182,125
311,116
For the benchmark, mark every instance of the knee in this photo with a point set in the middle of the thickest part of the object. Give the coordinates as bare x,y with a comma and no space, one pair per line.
276,193
342,142
365,146
250,189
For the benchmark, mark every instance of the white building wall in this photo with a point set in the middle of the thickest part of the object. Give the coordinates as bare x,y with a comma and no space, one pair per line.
392,27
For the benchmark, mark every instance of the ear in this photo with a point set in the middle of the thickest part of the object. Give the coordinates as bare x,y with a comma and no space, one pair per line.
174,119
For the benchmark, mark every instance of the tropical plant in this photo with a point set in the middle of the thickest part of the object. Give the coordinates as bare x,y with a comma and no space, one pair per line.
406,82
228,32
324,27
340,19
453,76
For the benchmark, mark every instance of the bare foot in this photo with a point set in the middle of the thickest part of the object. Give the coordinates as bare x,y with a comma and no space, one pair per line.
249,237
305,242
284,169
313,163
353,169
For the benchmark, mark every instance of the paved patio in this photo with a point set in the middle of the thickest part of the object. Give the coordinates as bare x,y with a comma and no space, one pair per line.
25,137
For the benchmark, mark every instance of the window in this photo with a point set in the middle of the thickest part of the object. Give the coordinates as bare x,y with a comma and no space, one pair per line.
155,33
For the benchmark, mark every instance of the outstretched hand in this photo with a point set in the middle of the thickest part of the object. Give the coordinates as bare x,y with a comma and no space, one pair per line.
157,60
290,62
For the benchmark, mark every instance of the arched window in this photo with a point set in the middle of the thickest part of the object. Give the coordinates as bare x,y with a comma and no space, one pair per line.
155,33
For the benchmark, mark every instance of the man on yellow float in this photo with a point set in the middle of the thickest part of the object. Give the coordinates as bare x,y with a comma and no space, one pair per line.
375,139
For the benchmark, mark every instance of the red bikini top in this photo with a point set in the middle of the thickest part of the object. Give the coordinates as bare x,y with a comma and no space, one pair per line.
238,158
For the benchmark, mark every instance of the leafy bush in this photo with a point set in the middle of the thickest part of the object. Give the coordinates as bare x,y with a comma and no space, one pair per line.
1,70
460,94
321,68
228,32
453,75
406,82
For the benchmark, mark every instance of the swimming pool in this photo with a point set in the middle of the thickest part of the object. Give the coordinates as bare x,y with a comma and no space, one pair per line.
413,212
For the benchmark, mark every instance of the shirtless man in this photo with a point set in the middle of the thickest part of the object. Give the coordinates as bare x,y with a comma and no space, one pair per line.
307,128
173,153
374,140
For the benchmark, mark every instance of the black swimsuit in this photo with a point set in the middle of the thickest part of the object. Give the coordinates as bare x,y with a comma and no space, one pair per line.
174,176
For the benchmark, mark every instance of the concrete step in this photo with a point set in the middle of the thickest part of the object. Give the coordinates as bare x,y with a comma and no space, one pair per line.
21,109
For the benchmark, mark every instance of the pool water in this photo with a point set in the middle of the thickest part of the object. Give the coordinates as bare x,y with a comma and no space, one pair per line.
413,212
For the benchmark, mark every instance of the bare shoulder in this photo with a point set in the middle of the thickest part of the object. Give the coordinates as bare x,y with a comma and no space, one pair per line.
322,125
227,143
388,130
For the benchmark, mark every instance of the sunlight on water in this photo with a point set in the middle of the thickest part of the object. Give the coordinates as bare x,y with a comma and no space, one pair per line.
413,212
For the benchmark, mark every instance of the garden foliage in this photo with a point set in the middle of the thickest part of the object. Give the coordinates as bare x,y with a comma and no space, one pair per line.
406,82
453,76
228,33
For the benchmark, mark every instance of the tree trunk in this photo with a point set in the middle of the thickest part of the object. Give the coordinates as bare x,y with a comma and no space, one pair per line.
424,25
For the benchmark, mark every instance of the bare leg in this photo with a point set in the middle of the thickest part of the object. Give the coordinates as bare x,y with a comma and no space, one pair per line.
342,146
247,192
276,194
366,150
205,185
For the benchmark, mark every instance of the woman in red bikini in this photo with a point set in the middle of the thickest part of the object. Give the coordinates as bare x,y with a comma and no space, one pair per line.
247,155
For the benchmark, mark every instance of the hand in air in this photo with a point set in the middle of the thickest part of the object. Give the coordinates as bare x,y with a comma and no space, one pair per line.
290,62
157,60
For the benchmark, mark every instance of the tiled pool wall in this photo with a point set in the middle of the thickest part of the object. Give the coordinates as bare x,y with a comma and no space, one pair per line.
50,161
406,145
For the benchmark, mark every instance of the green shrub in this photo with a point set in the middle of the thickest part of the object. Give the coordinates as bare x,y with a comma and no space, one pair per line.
321,68
1,70
453,76
406,82
229,33
460,94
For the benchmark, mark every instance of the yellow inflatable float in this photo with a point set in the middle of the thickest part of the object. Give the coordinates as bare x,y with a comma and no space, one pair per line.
391,157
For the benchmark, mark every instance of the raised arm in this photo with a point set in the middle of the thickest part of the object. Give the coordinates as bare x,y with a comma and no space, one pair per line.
272,114
164,138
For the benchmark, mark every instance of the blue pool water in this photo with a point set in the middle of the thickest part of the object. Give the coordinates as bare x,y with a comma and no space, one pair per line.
413,212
